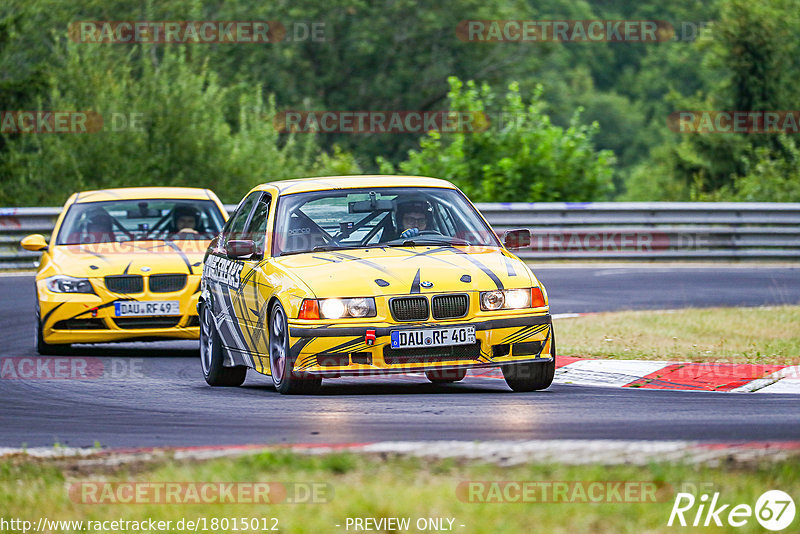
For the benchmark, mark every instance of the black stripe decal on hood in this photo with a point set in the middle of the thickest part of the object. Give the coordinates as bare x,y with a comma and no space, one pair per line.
509,266
414,254
177,249
485,269
415,283
326,259
364,261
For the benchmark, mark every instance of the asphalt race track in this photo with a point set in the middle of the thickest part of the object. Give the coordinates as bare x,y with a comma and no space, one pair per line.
156,394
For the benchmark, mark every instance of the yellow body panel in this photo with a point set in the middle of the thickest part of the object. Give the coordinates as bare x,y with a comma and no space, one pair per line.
333,275
354,273
89,318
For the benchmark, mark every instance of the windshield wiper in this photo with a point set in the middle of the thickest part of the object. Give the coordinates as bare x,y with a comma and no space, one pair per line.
328,248
429,241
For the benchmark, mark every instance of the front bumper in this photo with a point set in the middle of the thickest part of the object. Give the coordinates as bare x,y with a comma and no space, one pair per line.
343,351
89,318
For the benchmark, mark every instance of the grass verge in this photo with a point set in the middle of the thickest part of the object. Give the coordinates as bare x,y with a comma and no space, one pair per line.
768,335
400,487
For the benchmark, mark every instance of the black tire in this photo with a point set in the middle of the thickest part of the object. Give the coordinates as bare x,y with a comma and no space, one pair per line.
212,355
281,364
42,347
531,376
446,376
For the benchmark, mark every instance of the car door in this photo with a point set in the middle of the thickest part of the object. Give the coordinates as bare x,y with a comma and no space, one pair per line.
253,313
224,277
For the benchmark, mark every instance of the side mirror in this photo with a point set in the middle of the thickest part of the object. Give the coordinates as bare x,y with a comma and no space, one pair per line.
35,242
517,239
241,248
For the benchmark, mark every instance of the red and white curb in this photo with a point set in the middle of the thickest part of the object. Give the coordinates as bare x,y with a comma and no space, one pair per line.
643,374
564,451
681,376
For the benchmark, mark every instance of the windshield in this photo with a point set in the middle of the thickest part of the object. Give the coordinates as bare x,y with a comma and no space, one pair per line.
357,218
138,220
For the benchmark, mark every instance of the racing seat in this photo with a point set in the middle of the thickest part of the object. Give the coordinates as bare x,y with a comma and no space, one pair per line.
302,235
98,229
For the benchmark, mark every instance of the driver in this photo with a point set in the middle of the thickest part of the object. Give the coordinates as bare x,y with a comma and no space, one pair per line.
185,220
99,227
413,217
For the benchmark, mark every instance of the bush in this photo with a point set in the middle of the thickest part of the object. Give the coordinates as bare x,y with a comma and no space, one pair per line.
522,156
189,130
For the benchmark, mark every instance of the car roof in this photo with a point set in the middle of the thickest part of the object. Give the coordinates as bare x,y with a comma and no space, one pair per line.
143,193
323,183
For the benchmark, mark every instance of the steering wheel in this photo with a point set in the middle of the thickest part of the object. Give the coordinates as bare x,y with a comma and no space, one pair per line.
429,232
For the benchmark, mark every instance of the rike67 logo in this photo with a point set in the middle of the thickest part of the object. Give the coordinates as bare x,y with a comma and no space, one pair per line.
774,510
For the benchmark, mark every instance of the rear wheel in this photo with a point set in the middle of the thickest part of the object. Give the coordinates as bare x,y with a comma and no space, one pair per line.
531,376
42,347
281,363
212,356
446,376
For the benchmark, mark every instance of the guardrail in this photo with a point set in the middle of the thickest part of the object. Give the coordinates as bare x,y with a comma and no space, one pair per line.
653,230
564,230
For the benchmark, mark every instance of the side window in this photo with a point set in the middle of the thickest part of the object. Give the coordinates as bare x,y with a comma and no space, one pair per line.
235,229
257,227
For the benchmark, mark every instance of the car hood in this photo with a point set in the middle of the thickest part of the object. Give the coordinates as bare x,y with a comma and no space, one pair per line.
395,271
139,257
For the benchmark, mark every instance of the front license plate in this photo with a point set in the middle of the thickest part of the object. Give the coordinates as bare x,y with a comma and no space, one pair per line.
433,337
147,307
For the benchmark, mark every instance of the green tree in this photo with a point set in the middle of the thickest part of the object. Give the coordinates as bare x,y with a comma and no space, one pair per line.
522,156
164,123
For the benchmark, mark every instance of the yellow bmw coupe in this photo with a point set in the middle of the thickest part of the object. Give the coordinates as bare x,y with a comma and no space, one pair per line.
328,277
124,264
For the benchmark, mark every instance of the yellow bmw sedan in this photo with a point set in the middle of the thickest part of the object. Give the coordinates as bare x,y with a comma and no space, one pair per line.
343,276
124,264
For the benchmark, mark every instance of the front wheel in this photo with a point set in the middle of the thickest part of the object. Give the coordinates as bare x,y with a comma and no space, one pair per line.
211,355
531,376
281,363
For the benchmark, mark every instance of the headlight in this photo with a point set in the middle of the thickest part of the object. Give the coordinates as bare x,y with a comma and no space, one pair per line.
341,308
360,307
68,284
511,299
492,300
518,298
332,308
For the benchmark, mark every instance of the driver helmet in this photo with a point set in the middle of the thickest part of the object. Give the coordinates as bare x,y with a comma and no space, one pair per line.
413,204
185,211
